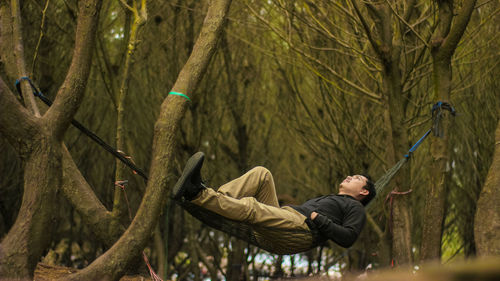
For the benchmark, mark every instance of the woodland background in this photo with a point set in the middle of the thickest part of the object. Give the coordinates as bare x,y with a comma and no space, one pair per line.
312,90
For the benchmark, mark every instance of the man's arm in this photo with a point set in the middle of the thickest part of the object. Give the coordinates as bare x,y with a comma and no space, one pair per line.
346,234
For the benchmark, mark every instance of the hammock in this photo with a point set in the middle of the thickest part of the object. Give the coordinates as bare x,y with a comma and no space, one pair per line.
262,237
252,234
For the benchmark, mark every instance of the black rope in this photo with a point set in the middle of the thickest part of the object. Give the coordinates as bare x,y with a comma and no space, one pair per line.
84,130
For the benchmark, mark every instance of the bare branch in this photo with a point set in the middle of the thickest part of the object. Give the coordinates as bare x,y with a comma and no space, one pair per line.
457,30
81,196
376,46
131,9
35,56
6,41
373,96
10,114
407,24
71,92
19,55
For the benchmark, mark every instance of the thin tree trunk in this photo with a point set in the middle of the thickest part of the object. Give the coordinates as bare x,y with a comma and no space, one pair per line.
237,258
19,56
120,208
401,219
387,47
6,45
487,220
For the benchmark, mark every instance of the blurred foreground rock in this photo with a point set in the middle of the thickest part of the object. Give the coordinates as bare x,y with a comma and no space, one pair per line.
45,272
482,269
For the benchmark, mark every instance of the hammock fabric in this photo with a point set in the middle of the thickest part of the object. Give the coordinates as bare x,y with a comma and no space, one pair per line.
253,234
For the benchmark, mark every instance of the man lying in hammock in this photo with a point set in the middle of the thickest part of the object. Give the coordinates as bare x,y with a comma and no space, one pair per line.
252,199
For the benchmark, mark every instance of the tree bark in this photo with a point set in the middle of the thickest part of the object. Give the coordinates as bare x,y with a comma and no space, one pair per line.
26,240
487,219
17,41
387,46
6,45
81,196
114,262
444,43
38,142
120,208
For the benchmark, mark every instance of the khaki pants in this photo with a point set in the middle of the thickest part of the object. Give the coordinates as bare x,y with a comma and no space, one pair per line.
252,199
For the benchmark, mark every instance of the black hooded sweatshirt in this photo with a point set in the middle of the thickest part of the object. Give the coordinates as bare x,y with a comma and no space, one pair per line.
340,218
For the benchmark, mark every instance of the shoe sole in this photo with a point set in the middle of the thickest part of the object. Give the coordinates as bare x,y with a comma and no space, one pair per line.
194,163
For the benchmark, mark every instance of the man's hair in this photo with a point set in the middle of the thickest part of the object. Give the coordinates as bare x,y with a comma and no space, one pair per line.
370,186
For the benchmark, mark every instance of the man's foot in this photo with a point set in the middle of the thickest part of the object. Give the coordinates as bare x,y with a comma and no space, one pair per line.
189,184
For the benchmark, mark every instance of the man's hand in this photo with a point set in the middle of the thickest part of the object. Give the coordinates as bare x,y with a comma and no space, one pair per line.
314,215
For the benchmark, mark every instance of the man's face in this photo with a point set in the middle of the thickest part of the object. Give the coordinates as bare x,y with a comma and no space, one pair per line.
353,185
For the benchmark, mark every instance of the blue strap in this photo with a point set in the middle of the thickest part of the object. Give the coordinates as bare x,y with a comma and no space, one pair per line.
436,112
415,146
36,92
437,116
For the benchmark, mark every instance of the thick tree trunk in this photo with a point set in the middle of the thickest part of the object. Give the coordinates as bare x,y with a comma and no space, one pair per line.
435,196
487,220
114,262
401,219
38,142
444,44
30,236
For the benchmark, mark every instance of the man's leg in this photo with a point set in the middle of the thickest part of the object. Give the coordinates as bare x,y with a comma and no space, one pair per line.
279,230
249,210
252,199
257,183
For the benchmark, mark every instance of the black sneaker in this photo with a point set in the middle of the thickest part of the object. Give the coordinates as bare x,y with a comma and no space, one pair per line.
189,184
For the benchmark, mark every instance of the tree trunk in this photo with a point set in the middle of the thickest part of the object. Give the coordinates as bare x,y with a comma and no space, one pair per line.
26,241
444,44
487,220
120,205
38,142
114,262
436,195
236,261
388,49
401,219
237,258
